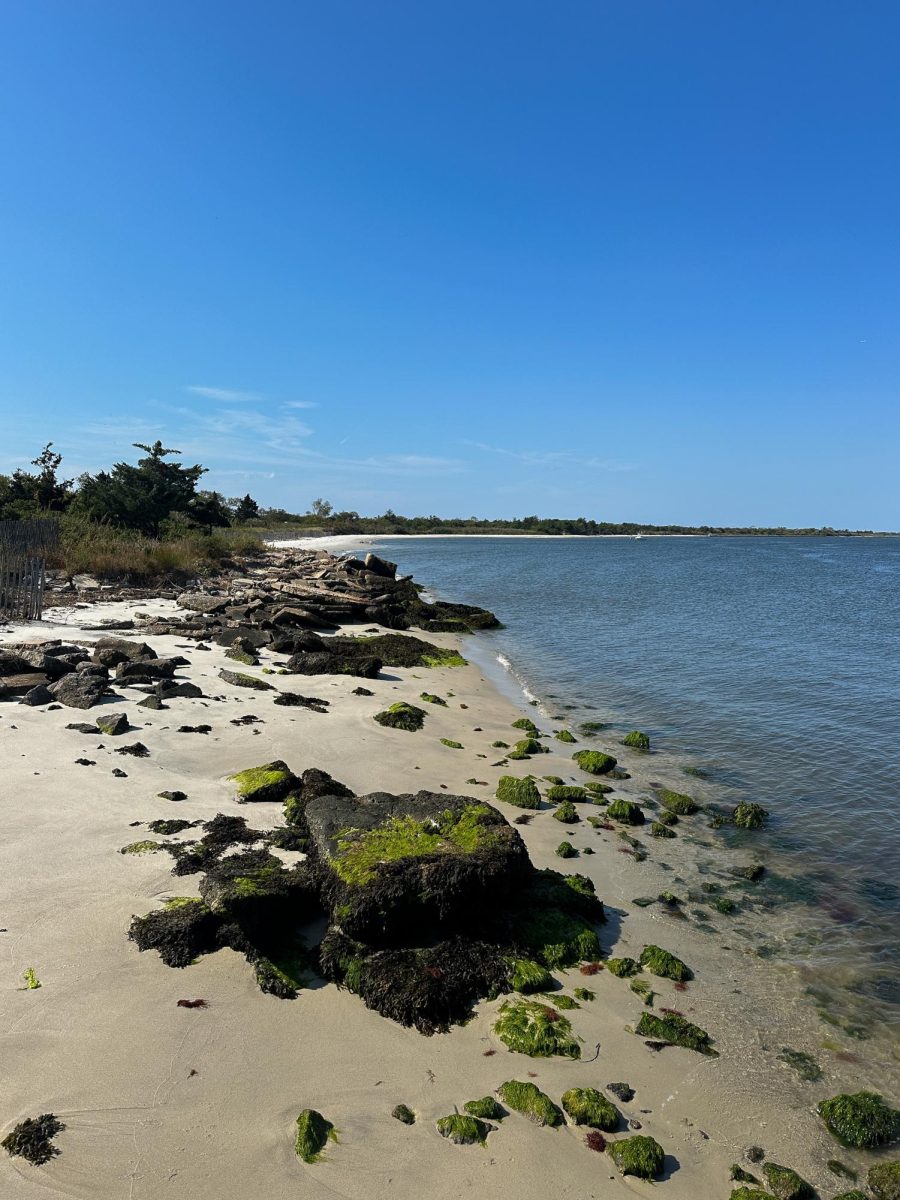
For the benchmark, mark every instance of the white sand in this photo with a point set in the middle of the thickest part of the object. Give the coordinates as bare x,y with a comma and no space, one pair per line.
103,1045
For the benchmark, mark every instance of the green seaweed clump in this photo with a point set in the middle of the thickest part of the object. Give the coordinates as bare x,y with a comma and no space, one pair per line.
636,740
313,1133
521,792
404,1114
32,1139
639,1155
240,679
535,1029
147,846
566,813
531,1102
749,816
451,744
594,761
587,1106
563,735
786,1184
884,1180
861,1120
750,1193
677,802
402,716
675,1030
487,1109
626,811
527,724
665,965
566,850
657,829
529,976
642,988
856,1194
583,993
462,1129
622,967
804,1064
430,698
32,983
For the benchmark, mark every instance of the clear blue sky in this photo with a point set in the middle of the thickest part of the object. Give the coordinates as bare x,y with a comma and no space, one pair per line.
622,260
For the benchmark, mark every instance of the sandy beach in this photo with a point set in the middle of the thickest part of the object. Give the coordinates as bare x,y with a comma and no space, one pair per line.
200,1104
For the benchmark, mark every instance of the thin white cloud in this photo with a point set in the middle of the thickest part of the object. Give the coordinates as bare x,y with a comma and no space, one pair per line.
299,404
546,458
228,395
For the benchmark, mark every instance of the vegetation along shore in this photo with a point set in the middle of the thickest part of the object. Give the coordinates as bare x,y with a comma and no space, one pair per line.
292,893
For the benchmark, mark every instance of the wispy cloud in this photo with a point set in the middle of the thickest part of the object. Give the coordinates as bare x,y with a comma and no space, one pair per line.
226,395
300,404
547,458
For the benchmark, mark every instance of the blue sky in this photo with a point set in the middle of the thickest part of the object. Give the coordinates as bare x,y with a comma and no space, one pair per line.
622,260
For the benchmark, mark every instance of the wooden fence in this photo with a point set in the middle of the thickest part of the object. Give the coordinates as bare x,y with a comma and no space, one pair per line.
23,550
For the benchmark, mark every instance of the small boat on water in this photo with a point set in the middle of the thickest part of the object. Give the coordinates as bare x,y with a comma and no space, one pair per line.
638,537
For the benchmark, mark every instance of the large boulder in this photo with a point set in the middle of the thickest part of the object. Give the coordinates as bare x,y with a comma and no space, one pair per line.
110,651
202,602
397,868
79,691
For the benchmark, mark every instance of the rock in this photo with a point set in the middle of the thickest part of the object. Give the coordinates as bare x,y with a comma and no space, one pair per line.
239,679
110,651
531,1102
404,1114
157,668
622,1091
520,792
273,781
169,691
136,750
884,1180
83,727
861,1120
300,618
462,1129
12,663
380,566
202,602
152,702
626,811
295,700
639,1155
37,696
323,663
313,1132
79,691
594,762
402,716
113,724
785,1184
587,1106
175,796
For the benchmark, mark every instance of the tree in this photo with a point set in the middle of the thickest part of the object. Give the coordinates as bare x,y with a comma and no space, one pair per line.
30,493
245,509
140,497
209,510
321,509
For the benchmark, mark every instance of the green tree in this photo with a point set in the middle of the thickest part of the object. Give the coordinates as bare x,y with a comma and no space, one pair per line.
30,493
245,509
140,497
321,509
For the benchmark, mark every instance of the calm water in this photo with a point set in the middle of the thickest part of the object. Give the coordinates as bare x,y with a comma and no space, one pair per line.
770,663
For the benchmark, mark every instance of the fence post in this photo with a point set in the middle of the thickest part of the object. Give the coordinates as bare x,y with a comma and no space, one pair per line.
23,551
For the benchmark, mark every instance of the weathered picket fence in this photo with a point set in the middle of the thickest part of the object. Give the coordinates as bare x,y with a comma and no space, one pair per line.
23,551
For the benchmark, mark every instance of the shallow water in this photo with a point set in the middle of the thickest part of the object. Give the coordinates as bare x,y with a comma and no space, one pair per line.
769,664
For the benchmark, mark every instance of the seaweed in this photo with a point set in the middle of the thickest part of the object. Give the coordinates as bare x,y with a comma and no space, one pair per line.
639,1155
804,1064
627,812
32,1139
594,762
676,1031
786,1184
313,1134
636,740
486,1108
449,742
587,1106
401,715
404,1114
665,965
749,816
861,1120
563,735
520,792
884,1180
676,802
462,1129
272,781
566,813
566,850
531,1102
535,1029
622,967
528,976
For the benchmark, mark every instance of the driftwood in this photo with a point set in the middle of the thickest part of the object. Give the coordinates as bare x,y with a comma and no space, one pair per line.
23,550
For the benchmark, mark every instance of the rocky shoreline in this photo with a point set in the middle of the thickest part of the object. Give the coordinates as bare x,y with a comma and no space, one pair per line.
436,907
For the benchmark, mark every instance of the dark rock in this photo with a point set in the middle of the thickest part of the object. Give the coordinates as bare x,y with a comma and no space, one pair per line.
175,796
158,668
295,700
152,702
79,691
113,724
37,696
83,727
380,566
621,1091
136,750
202,602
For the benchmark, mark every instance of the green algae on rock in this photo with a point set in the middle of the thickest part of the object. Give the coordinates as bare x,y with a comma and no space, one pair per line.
522,793
626,811
32,1139
566,850
402,716
884,1180
528,976
538,1030
749,816
560,792
594,761
642,988
563,735
430,698
567,813
404,1114
622,967
462,1129
657,829
313,1134
786,1184
801,1062
587,1106
676,1031
272,781
636,740
451,745
527,724
240,679
147,846
487,1109
677,802
861,1120
665,965
531,1102
639,1155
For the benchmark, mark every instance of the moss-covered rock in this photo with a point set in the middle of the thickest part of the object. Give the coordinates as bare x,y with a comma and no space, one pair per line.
526,747
657,829
598,790
527,724
272,781
404,1114
884,1180
861,1120
749,816
786,1184
563,735
675,1030
147,846
531,1102
554,918
626,811
559,793
313,1134
677,802
402,716
522,793
660,962
622,967
181,931
566,850
451,745
431,698
462,1129
636,740
528,976
486,1109
639,1155
594,762
567,813
587,1106
240,679
539,1030
667,818
750,1193
313,783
